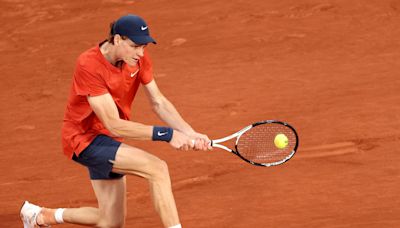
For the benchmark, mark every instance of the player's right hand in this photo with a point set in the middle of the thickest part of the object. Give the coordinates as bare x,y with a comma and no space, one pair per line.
181,141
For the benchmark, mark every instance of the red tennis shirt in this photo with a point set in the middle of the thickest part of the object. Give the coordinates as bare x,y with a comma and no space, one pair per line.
94,76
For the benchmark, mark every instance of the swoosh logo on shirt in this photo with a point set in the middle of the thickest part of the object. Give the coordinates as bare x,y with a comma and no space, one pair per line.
143,28
134,73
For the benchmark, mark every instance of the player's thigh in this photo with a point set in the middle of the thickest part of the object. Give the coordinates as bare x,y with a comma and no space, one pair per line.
132,160
111,198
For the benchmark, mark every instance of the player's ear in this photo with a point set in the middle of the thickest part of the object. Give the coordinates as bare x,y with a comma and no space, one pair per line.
117,39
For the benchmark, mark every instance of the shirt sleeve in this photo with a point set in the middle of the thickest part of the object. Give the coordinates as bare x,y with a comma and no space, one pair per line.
86,83
146,69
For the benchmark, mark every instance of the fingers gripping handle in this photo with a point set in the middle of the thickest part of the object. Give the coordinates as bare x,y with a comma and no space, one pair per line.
194,143
214,145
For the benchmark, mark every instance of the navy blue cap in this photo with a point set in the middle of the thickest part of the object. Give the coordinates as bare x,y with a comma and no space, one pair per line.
133,27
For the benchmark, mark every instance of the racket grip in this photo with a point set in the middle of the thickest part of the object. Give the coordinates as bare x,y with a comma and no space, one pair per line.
194,142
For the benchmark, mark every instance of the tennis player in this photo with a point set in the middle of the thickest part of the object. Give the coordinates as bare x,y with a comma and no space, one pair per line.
96,120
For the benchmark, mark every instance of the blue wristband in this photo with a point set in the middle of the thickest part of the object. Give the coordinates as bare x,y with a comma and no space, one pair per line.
162,133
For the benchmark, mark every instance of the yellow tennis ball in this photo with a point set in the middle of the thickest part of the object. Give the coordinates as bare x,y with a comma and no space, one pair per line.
281,141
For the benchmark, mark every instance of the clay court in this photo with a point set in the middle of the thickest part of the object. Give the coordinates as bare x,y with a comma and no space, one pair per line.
329,68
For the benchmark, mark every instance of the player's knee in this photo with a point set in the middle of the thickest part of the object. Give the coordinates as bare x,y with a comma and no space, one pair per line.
160,171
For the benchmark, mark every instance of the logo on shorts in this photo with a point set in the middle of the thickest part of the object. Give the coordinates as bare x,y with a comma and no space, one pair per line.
161,133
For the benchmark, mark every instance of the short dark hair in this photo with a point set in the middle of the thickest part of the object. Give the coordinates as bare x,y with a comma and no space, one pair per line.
111,34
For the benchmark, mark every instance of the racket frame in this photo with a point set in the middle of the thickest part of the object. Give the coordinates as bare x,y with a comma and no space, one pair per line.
216,143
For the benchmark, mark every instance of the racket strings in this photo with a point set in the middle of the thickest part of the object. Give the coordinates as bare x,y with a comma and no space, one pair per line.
257,144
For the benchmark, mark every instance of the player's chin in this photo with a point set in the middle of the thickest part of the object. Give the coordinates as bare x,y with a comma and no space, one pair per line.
131,62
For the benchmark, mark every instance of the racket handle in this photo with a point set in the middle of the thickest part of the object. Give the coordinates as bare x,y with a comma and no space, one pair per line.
194,142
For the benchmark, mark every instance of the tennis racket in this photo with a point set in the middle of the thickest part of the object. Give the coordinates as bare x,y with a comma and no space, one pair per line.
255,143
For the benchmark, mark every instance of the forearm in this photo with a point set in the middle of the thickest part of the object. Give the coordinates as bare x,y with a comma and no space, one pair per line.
168,113
129,129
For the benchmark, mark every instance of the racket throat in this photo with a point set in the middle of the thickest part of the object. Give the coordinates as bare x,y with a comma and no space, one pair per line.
222,147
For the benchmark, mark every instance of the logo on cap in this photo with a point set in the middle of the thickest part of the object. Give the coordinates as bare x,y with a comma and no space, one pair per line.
134,27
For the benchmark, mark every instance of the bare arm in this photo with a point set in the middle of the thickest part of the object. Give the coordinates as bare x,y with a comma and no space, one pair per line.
168,113
106,110
165,110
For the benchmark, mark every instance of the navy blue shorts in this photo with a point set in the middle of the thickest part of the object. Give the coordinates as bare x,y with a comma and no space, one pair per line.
96,158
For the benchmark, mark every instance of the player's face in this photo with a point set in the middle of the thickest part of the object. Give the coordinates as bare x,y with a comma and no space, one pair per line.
130,52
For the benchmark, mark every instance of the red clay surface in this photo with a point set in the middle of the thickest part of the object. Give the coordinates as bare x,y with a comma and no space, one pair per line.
330,68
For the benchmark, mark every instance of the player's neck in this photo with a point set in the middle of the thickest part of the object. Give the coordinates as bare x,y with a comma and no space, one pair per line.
108,52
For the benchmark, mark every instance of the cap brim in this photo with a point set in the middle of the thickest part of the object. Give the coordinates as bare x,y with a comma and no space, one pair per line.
142,40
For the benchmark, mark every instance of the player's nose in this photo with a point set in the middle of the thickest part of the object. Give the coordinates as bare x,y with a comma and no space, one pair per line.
140,52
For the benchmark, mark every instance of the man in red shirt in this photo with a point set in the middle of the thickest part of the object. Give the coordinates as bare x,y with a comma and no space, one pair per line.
96,120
